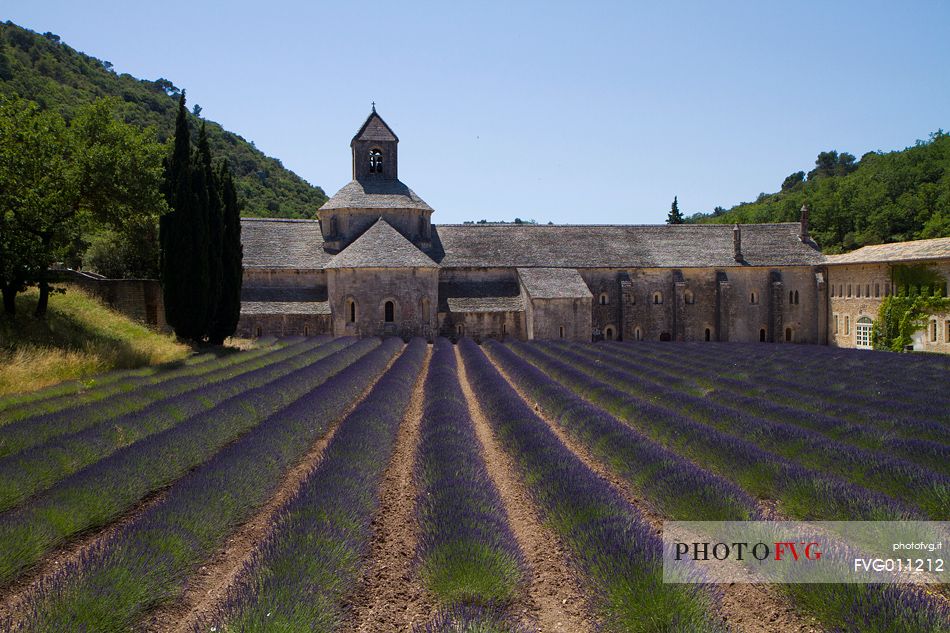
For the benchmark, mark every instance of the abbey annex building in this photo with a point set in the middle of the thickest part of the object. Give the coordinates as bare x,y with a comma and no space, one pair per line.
374,264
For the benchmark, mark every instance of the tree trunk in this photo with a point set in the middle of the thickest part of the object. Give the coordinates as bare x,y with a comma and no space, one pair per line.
9,299
43,300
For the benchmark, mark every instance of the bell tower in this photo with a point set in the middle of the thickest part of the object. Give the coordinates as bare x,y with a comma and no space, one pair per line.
375,151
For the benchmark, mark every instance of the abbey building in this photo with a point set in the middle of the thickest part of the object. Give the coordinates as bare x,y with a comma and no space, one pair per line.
375,264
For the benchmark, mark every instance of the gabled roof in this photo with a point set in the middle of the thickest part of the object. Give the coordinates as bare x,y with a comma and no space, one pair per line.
278,243
553,283
375,194
619,246
898,252
480,296
381,246
375,129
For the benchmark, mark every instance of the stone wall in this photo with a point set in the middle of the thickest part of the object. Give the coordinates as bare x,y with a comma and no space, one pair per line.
413,292
568,319
483,325
257,325
742,304
855,294
139,299
284,278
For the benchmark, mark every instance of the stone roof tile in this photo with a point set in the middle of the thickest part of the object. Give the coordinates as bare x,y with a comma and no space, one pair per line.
381,246
553,283
938,248
466,296
375,194
619,246
278,243
375,129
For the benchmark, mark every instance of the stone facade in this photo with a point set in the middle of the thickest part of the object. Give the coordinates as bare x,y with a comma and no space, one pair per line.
374,264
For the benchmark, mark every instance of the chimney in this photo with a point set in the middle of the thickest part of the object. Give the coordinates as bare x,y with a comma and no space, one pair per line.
804,230
737,242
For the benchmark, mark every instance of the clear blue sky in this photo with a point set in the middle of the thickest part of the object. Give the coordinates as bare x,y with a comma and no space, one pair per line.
586,112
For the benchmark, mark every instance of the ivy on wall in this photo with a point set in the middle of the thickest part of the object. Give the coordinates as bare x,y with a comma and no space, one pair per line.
919,292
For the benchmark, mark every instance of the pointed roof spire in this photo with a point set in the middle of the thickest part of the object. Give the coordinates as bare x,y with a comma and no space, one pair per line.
375,129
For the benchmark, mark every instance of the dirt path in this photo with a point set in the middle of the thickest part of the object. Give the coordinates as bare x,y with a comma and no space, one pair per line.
746,608
208,587
14,595
554,601
390,596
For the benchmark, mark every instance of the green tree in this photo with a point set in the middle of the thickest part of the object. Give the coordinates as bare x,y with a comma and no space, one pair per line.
675,216
793,180
228,308
183,231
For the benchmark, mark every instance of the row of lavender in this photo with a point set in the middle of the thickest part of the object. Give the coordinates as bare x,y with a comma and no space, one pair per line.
97,494
37,468
147,562
841,392
298,577
467,554
615,548
75,393
924,492
865,381
844,607
38,428
922,440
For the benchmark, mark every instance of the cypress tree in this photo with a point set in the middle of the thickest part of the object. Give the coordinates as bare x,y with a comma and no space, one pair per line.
184,238
675,216
229,299
210,196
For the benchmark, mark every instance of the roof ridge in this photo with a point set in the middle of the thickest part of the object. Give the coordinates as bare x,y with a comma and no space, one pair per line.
256,219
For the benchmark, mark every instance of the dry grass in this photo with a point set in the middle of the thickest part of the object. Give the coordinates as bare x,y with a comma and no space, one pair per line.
80,337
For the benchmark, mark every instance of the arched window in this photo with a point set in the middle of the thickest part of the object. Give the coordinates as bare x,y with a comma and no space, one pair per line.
306,330
762,335
260,331
657,298
389,312
638,334
351,310
561,331
688,297
753,298
460,329
375,161
603,298
788,335
796,297
708,335
609,333
862,333
791,297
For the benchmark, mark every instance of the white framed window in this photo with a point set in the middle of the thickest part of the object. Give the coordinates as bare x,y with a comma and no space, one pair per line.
862,333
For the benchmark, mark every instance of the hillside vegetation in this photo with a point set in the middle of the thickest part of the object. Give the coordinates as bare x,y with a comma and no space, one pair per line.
44,69
884,197
78,338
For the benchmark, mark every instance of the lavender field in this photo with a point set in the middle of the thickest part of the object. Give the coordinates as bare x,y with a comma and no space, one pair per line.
373,485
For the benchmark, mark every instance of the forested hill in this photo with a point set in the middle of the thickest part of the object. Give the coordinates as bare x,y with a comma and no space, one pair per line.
44,69
884,197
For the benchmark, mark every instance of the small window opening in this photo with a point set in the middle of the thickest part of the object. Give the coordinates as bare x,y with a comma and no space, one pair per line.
762,335
375,161
352,310
847,324
836,324
867,290
306,330
753,298
933,331
504,329
877,290
857,291
459,329
796,297
708,335
689,298
832,290
609,333
657,298
603,298
849,291
788,335
561,331
389,312
791,297
260,331
638,334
